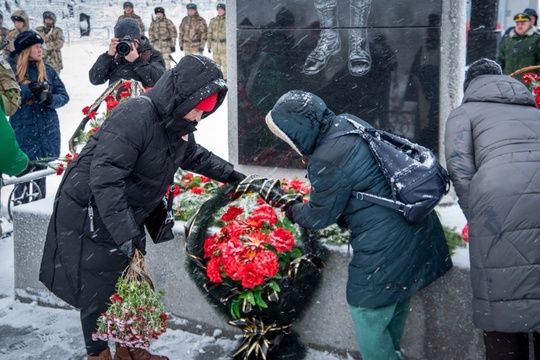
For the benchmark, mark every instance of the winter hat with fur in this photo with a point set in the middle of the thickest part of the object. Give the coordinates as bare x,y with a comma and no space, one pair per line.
25,40
127,27
481,67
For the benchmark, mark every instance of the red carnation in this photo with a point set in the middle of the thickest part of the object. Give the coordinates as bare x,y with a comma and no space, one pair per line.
267,263
92,115
465,233
282,239
85,110
232,213
263,214
60,169
115,298
197,190
213,271
112,104
251,276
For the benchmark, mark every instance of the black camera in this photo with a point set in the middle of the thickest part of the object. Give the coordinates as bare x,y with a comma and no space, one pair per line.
124,46
42,96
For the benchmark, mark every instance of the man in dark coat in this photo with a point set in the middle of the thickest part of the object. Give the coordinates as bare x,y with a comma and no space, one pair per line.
492,145
120,176
143,63
392,259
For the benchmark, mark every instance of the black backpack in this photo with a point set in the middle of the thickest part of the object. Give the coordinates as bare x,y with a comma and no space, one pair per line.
417,179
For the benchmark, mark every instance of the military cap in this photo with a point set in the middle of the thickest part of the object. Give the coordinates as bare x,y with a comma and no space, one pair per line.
191,6
522,17
128,3
220,6
49,15
159,9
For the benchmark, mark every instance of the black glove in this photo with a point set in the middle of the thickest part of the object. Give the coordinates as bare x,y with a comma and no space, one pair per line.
35,88
128,247
181,48
235,176
173,49
289,213
201,50
209,50
31,166
48,99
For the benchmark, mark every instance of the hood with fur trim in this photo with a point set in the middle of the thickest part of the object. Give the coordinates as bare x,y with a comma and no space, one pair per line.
300,119
180,89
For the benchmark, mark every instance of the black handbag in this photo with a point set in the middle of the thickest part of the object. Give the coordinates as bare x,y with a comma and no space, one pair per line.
160,222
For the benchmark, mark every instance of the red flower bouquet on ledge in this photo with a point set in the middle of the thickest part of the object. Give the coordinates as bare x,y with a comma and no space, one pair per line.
251,252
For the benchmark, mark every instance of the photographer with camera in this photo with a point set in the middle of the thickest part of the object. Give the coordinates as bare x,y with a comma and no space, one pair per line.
36,124
130,56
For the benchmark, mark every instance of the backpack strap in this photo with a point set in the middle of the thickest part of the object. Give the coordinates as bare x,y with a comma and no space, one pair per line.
396,205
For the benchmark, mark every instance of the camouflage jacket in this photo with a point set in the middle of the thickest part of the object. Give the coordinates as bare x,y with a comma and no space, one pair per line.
216,31
9,89
12,34
54,40
3,33
162,34
136,17
193,32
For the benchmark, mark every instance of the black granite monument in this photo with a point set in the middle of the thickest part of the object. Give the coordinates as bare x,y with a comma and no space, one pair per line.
378,60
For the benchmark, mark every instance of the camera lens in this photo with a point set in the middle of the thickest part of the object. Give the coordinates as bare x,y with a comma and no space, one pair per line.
123,48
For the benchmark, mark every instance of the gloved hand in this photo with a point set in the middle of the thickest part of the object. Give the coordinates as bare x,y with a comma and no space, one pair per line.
128,247
173,49
246,185
209,50
181,48
35,88
289,213
30,167
201,50
235,176
48,99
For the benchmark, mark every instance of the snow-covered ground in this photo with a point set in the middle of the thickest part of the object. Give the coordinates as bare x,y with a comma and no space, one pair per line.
28,331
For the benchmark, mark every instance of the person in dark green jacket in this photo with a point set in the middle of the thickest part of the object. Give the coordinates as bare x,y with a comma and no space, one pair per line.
392,259
521,48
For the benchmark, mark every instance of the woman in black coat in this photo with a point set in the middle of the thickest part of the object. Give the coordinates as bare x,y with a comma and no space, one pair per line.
122,175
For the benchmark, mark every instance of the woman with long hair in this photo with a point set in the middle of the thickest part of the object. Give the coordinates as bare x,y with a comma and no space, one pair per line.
36,124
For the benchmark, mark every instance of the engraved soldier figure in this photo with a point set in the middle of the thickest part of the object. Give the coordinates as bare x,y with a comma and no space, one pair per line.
54,41
162,34
193,32
217,42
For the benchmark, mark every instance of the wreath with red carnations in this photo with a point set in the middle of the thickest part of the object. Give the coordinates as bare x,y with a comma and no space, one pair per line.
259,270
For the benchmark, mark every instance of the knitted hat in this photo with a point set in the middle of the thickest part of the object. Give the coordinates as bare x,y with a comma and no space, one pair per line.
159,9
221,6
128,3
481,67
25,40
191,6
127,27
207,104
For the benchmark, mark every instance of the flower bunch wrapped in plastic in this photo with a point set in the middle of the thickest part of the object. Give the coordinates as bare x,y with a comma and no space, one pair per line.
191,192
136,313
252,252
532,80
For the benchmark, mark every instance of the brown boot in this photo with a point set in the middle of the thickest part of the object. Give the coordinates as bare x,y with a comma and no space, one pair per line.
125,353
104,355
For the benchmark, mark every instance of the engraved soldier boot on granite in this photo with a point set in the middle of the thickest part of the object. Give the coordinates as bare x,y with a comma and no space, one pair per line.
329,43
359,56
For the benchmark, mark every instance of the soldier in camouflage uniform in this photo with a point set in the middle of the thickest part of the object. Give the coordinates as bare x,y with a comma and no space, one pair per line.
217,39
193,32
162,34
130,13
3,31
54,40
22,23
10,90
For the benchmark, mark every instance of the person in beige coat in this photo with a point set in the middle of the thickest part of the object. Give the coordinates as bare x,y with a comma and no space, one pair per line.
162,34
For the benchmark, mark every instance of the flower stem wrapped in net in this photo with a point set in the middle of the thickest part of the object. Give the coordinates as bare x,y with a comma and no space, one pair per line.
136,313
